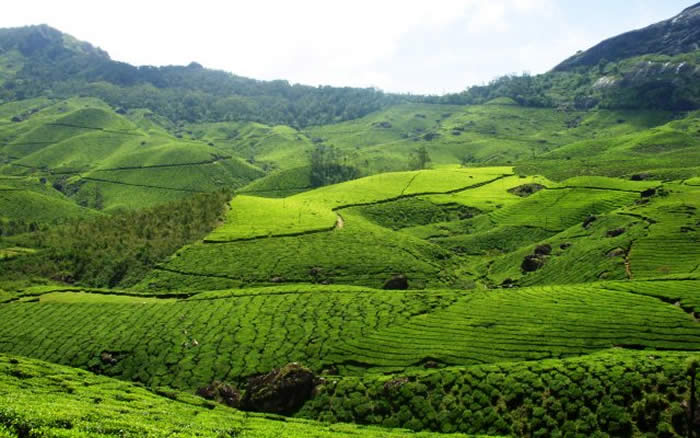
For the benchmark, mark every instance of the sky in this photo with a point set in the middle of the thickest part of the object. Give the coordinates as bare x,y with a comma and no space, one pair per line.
406,46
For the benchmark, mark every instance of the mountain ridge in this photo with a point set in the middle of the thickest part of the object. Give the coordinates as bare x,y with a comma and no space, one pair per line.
676,35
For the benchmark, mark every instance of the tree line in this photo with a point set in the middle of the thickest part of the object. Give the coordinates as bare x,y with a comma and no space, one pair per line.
114,251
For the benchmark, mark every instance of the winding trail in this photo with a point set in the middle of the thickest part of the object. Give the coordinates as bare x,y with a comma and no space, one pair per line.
339,222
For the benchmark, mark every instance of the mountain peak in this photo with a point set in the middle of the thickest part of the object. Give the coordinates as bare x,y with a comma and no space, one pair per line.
679,34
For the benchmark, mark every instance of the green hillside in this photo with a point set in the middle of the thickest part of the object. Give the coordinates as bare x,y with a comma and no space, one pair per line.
42,399
186,252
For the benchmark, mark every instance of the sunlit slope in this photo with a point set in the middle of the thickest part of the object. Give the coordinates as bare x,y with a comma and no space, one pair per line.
28,199
108,160
452,227
266,146
530,323
607,228
482,133
227,335
307,242
224,335
251,217
477,134
670,151
649,238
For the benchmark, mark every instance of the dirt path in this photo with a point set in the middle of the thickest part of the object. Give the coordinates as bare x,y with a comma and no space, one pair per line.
339,223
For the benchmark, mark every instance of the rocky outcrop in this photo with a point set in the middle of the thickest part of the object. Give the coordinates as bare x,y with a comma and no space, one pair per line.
680,34
397,282
281,391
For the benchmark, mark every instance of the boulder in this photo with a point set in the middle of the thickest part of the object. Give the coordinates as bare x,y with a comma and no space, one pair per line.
616,232
640,177
526,190
648,193
222,393
531,263
281,391
544,249
588,221
397,282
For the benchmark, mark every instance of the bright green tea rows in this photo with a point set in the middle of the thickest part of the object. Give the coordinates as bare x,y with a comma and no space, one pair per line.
527,324
47,400
219,336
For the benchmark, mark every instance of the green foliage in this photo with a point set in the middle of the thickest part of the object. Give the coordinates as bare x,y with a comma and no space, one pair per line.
529,324
327,167
642,82
41,399
616,393
249,217
187,344
115,250
420,159
49,66
359,253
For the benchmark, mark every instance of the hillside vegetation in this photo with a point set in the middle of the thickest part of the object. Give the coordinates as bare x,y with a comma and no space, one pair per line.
186,252
42,399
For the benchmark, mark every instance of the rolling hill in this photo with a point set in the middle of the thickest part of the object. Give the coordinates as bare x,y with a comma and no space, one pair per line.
186,252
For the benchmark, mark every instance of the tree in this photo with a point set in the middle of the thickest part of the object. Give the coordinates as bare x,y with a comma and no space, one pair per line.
328,166
420,159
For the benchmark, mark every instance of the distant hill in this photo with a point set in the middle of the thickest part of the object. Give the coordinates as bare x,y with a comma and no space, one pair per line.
657,67
39,60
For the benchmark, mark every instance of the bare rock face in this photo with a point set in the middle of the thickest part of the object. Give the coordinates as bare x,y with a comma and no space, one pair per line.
281,391
680,34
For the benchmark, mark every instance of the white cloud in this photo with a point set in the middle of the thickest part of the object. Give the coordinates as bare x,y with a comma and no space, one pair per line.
397,45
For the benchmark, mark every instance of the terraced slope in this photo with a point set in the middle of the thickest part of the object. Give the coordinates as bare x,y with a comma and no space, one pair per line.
250,217
488,134
28,199
42,399
228,335
669,151
213,336
527,324
106,160
352,250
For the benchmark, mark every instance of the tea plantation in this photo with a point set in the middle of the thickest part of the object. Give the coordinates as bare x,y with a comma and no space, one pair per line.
420,269
47,400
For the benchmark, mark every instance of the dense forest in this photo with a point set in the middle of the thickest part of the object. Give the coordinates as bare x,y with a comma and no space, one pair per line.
116,250
56,65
